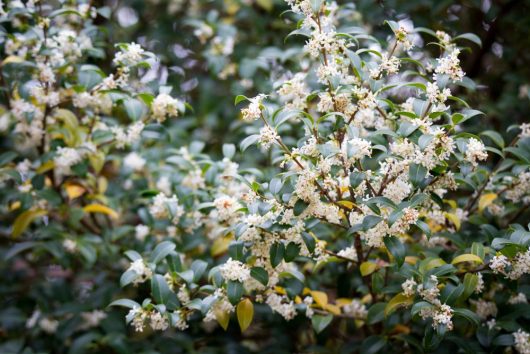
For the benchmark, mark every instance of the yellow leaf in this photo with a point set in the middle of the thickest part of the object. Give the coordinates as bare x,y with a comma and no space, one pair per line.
468,257
74,190
23,220
15,205
486,200
266,4
12,59
434,263
397,301
451,203
102,185
343,301
334,309
320,297
411,260
347,204
454,219
45,167
399,328
99,208
245,313
280,290
223,317
368,268
220,245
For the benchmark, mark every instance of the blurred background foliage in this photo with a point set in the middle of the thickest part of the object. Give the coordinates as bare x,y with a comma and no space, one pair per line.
261,55
212,51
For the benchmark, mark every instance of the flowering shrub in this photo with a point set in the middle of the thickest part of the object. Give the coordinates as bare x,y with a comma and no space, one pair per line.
70,140
384,217
378,223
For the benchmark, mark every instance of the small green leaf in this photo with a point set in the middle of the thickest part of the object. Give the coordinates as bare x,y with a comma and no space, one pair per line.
320,322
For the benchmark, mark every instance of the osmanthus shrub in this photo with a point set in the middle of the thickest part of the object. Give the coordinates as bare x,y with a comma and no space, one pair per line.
385,222
70,168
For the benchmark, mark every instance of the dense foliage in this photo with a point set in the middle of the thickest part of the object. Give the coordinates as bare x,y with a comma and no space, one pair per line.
358,204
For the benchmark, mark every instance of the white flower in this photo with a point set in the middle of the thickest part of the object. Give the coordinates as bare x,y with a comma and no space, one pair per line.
267,136
475,151
253,111
520,265
520,298
309,312
435,95
142,271
165,106
409,287
525,130
356,309
450,65
349,253
499,263
485,309
66,158
285,309
134,161
158,322
163,206
48,325
356,148
522,341
226,207
443,316
129,55
141,231
93,318
70,245
235,271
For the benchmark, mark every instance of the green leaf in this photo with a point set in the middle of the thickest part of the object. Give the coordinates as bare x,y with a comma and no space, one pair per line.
470,284
125,303
248,141
240,98
162,250
370,221
291,252
260,274
495,137
128,277
159,289
396,249
275,185
320,322
373,345
276,253
467,314
199,267
235,250
135,109
376,313
417,174
234,291
470,37
229,150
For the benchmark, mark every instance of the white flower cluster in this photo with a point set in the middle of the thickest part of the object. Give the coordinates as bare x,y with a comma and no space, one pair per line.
235,271
143,272
253,111
522,341
512,269
165,106
164,206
